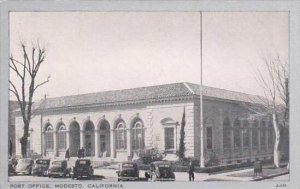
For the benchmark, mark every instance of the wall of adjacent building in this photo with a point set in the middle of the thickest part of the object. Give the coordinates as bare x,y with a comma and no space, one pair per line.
215,111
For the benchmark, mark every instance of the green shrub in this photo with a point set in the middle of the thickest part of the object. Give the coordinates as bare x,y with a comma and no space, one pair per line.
213,160
186,161
151,155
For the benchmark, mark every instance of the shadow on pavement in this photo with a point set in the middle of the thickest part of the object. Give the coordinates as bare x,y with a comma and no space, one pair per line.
215,179
94,177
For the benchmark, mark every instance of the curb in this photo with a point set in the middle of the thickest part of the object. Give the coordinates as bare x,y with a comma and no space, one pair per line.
271,176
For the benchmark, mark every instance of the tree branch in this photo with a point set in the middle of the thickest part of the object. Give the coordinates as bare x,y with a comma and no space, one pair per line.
15,68
42,83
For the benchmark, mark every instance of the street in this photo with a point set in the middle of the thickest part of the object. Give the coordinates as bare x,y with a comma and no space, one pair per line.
109,175
281,178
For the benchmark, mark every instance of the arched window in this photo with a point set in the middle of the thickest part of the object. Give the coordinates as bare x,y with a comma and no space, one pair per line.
49,138
61,137
236,133
89,138
74,139
226,134
255,134
89,127
104,138
121,135
263,134
246,134
138,136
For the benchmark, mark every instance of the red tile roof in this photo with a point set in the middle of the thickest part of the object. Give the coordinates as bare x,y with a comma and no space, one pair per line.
144,94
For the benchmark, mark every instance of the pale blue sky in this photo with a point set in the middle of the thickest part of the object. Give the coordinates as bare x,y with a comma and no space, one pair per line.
99,51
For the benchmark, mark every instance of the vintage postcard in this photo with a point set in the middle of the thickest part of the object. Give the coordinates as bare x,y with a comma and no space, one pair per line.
149,94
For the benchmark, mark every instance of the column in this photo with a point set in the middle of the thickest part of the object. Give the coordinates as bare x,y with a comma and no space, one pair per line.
81,139
232,137
128,142
96,143
219,140
112,144
68,140
176,137
250,138
259,137
54,144
267,139
242,138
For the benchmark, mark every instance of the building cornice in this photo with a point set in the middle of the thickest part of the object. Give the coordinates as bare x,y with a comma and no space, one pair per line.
117,104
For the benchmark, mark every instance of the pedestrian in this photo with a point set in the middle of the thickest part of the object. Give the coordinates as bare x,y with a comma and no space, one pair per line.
82,152
79,153
257,168
147,175
67,155
191,169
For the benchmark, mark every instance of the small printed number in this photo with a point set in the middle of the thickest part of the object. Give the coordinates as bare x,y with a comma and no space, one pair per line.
280,185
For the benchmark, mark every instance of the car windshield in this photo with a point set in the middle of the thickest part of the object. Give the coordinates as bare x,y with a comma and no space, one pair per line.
83,162
24,161
43,162
163,165
128,165
57,163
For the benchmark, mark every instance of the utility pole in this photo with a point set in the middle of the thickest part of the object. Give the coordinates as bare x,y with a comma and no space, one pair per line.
202,164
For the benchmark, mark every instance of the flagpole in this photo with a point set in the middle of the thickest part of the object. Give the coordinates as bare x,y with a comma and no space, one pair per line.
202,164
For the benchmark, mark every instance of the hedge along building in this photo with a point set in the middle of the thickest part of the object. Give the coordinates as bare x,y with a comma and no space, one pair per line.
116,125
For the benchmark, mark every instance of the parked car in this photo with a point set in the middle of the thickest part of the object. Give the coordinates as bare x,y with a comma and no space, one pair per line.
41,167
83,168
128,171
24,166
11,166
59,168
161,171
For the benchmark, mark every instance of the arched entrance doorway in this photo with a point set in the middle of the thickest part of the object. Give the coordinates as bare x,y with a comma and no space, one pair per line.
104,139
74,138
48,140
89,138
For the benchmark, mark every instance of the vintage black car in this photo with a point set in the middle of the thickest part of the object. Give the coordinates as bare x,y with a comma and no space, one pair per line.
59,168
12,166
24,166
128,171
41,167
161,171
83,168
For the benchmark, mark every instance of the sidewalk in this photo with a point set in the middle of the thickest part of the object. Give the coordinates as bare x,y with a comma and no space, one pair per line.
266,173
240,175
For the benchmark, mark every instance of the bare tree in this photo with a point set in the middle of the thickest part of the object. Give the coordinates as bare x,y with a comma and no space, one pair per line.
273,79
26,85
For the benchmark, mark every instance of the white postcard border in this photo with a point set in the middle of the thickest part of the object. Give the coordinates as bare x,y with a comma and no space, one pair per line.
240,6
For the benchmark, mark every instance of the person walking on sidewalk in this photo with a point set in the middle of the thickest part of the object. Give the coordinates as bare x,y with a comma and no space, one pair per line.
191,169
